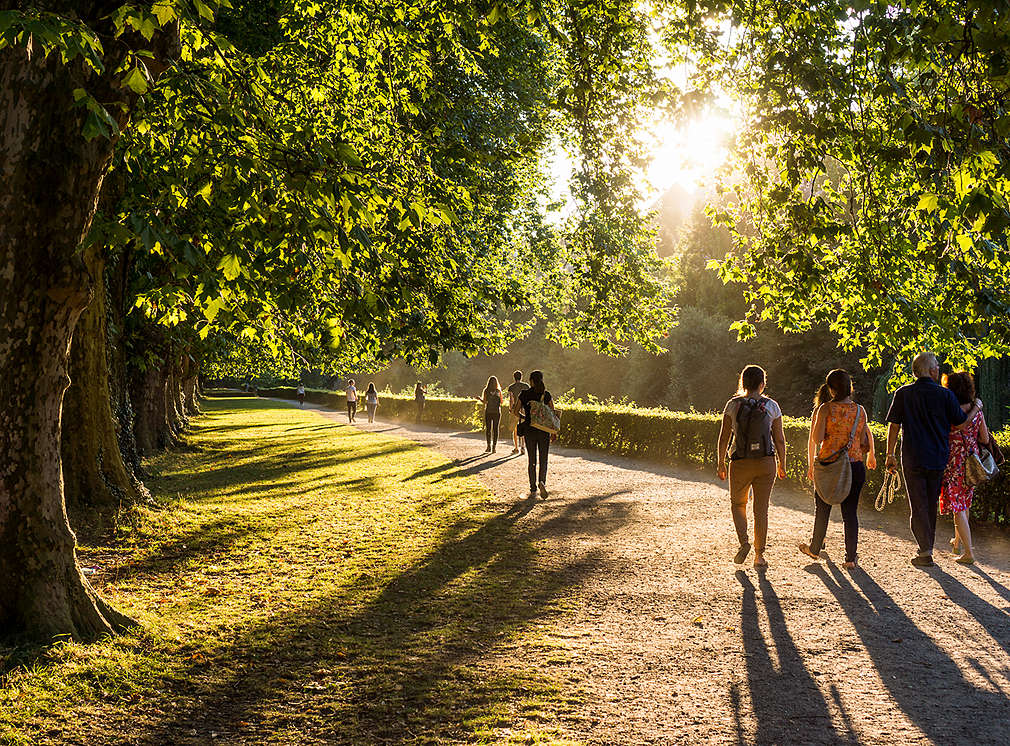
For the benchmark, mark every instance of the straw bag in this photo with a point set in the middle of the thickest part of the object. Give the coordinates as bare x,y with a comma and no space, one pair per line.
833,475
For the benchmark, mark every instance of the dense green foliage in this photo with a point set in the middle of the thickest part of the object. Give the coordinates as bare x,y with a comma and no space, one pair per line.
873,166
699,367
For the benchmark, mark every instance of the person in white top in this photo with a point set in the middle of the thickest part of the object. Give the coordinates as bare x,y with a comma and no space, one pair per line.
301,394
352,400
754,422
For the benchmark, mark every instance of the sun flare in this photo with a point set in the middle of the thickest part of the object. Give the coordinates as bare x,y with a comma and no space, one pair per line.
688,154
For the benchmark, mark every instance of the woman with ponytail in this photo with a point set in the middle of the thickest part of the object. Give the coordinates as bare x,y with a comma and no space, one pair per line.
834,417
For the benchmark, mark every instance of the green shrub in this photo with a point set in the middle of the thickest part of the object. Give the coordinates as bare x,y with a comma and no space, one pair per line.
657,435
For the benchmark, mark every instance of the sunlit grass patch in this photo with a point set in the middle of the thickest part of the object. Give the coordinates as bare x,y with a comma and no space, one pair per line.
303,582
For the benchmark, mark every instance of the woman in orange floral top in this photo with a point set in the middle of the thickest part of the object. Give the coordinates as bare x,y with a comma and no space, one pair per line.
834,416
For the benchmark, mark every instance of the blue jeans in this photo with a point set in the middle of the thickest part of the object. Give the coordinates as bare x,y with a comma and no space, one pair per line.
923,488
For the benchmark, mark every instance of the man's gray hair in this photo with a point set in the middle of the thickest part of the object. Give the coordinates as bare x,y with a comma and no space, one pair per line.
924,363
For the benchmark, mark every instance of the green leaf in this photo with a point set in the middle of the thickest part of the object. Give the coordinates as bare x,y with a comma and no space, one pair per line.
231,266
203,10
927,202
135,81
165,12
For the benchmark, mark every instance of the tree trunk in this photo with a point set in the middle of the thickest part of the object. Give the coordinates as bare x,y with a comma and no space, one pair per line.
178,419
52,177
150,401
95,476
190,387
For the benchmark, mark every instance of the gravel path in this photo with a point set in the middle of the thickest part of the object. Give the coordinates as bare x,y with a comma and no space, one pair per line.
669,642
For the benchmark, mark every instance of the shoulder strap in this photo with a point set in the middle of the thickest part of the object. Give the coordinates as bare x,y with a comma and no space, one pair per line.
852,435
855,426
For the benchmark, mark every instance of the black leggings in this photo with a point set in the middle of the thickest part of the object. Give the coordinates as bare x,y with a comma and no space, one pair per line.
537,440
849,508
491,422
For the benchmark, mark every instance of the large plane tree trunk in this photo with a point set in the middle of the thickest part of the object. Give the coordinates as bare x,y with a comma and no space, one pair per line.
52,176
48,194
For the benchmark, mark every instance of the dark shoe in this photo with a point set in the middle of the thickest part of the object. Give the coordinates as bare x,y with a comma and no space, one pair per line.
922,560
543,490
742,553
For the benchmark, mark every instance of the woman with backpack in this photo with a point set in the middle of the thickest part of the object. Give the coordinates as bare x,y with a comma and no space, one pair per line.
537,440
491,397
754,422
838,430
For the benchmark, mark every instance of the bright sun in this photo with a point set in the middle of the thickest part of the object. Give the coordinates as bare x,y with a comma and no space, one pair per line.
689,153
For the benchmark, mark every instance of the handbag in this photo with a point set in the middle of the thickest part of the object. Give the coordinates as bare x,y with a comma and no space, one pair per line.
833,475
980,467
543,418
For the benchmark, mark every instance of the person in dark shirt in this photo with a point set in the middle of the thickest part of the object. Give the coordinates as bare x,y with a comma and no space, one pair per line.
924,413
516,388
537,441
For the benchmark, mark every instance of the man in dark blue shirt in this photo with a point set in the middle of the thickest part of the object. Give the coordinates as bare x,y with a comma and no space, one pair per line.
924,412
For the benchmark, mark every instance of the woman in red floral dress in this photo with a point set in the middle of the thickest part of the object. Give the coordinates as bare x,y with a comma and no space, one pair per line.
956,493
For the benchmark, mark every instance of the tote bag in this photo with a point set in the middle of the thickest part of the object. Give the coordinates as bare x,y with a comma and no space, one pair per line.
543,418
833,475
980,467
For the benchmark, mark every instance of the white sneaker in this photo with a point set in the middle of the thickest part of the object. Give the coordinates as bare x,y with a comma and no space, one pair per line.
543,490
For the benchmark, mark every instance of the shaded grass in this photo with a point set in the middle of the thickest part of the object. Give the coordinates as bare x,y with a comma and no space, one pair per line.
297,587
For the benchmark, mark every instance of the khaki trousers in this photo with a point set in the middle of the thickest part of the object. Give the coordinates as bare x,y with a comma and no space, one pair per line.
747,475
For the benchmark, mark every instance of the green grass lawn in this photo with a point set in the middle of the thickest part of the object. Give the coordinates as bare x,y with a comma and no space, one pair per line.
303,582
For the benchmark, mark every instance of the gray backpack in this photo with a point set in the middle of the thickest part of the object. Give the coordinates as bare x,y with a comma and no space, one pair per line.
753,435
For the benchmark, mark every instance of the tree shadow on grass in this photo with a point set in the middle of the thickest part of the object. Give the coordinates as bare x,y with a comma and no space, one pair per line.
442,468
924,681
781,694
409,664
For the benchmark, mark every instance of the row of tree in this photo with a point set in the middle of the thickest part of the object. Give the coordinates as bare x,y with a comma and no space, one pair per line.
193,185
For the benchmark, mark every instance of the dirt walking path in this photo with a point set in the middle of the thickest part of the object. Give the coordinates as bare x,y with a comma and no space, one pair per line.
669,642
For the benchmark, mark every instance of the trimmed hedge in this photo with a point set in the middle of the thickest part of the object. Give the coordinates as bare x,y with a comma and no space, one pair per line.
657,435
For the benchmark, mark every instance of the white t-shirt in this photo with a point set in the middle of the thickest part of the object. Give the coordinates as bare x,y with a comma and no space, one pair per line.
733,406
301,389
352,393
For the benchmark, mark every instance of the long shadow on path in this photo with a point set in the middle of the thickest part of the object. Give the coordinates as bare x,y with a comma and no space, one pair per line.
922,678
786,701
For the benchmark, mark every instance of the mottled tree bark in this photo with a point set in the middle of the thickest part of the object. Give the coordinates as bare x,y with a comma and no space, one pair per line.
51,179
190,386
148,392
48,195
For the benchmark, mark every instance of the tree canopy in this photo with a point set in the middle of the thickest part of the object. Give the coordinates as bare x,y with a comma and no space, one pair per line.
872,183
